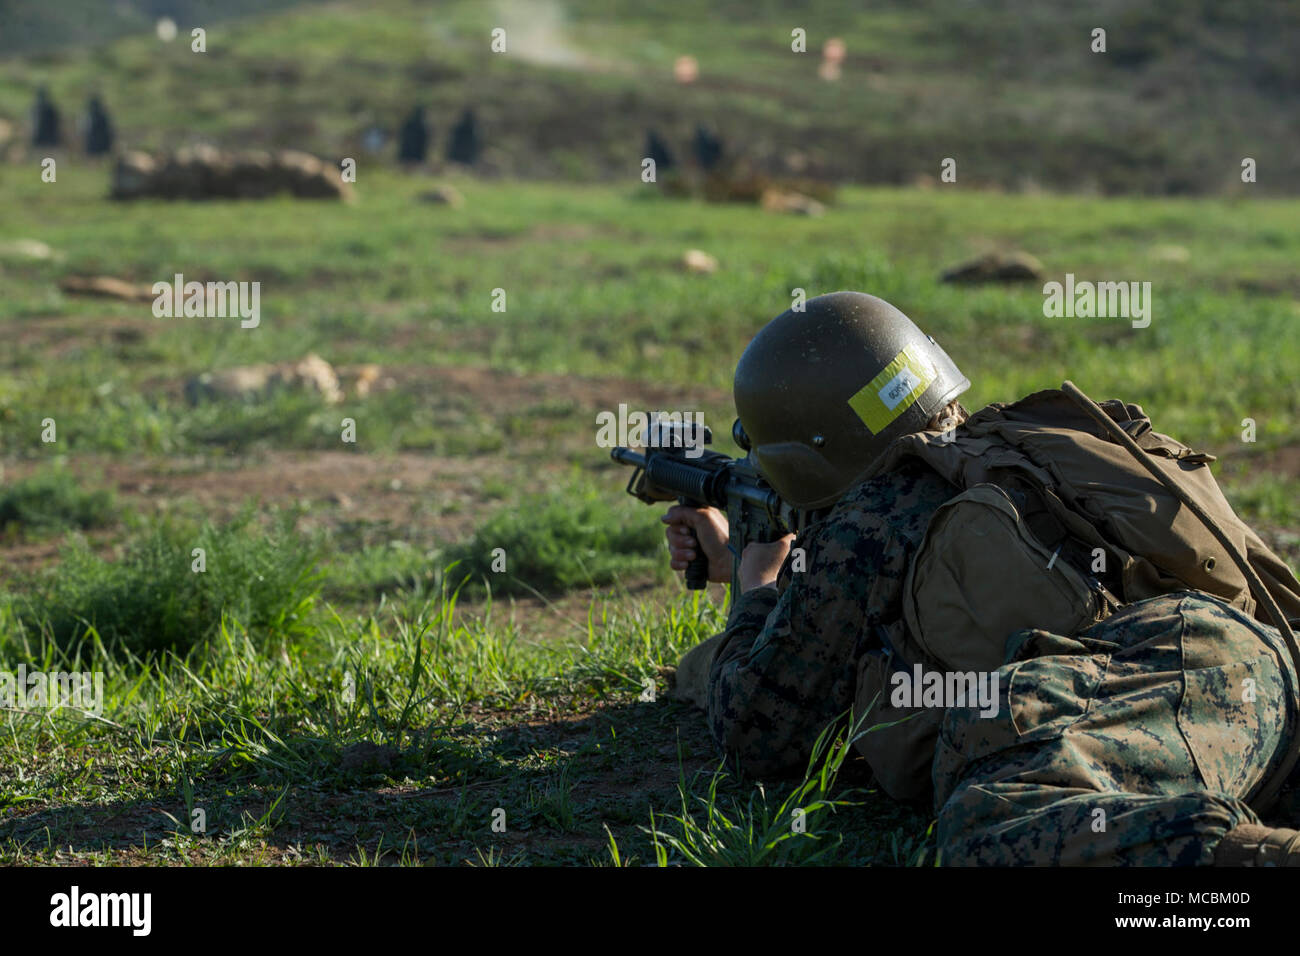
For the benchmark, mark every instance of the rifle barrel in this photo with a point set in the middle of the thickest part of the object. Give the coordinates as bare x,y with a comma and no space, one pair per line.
626,456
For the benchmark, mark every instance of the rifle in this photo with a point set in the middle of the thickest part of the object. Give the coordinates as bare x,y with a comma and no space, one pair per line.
755,512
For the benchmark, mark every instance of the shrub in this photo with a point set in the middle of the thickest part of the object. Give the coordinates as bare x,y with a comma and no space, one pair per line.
557,543
152,600
53,501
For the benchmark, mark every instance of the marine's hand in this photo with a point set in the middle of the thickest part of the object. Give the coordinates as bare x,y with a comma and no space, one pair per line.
761,562
710,527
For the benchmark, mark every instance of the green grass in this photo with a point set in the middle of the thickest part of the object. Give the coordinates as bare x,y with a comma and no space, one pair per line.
616,303
54,501
502,705
173,586
262,746
552,543
538,716
755,832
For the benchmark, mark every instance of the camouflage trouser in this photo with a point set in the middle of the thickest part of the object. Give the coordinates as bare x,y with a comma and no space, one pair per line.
1134,743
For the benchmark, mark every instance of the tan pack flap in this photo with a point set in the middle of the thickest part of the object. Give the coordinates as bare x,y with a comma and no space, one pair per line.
979,576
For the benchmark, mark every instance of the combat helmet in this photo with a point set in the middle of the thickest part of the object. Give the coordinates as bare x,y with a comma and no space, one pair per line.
822,391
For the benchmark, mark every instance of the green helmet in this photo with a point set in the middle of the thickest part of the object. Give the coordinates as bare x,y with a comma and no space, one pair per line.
820,392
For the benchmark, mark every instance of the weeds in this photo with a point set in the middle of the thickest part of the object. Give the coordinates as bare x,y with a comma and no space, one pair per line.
550,544
761,830
53,501
173,585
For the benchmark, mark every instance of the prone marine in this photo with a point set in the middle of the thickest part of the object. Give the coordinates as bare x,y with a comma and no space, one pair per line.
1085,566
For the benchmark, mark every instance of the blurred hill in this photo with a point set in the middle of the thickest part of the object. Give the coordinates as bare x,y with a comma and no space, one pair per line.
1009,89
28,26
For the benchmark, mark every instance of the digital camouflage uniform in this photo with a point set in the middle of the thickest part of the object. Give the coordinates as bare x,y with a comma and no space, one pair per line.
1136,741
787,663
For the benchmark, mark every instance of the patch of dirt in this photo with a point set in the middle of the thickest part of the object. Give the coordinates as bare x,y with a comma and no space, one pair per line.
565,231
1278,461
20,558
440,497
623,758
548,232
56,338
499,392
1240,461
387,485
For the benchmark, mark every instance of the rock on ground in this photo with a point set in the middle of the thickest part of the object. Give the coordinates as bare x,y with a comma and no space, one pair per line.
252,382
785,200
444,196
26,249
107,287
203,172
997,267
699,261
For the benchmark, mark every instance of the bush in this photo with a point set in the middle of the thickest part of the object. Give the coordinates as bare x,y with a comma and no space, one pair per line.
554,544
52,502
152,600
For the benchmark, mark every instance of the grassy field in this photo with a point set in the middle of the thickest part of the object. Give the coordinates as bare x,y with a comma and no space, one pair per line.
350,679
321,692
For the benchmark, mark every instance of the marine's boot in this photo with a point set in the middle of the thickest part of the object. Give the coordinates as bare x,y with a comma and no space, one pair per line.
1253,845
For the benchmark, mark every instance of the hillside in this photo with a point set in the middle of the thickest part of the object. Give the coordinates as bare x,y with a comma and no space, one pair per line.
1010,90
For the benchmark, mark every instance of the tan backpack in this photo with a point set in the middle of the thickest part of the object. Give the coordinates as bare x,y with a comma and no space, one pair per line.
1057,525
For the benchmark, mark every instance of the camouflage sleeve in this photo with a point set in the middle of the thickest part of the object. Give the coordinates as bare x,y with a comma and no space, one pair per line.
749,611
787,664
